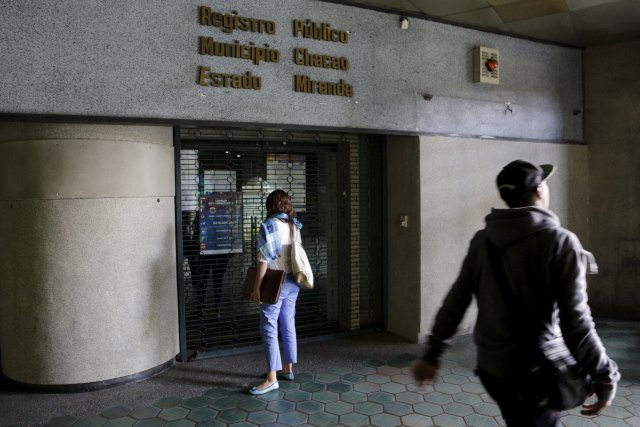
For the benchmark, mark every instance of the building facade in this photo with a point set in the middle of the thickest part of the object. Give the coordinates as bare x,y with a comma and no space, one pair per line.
138,143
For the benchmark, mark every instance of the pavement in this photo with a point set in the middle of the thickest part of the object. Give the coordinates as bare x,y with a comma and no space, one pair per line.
356,380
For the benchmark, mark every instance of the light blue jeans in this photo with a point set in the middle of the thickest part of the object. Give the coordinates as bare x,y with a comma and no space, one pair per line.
285,312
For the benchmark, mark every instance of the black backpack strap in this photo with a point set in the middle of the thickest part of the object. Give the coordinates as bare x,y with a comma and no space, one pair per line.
497,268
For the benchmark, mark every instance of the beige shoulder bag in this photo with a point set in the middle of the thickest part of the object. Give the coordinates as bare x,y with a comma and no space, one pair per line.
300,265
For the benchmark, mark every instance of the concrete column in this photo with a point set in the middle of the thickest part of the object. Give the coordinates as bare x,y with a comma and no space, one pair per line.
87,252
404,251
612,90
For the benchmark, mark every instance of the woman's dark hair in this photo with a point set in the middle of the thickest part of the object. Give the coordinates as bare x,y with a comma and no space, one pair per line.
279,201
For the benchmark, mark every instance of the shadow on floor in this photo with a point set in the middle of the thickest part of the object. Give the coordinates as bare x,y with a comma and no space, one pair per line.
352,381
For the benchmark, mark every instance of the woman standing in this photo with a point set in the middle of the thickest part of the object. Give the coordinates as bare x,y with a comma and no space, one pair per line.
274,252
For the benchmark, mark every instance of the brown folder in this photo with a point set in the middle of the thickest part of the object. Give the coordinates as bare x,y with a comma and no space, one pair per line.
270,288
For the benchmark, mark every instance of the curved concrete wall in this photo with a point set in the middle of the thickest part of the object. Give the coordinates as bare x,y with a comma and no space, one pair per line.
87,266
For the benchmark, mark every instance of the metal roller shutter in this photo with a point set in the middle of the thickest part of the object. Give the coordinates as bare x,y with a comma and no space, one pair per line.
225,178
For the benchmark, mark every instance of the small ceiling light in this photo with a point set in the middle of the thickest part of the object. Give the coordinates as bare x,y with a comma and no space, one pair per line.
404,22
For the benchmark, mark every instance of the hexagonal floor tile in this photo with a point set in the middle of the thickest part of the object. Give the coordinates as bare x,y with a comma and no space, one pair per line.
153,422
385,420
231,416
374,363
339,387
120,422
202,414
323,419
467,398
174,413
447,388
327,378
338,408
326,396
180,423
297,396
460,409
250,403
378,379
397,408
429,409
197,402
340,370
353,397
168,402
303,378
403,379
224,403
368,408
449,421
352,378
455,379
313,386
364,370
216,393
381,397
292,418
475,388
262,417
271,396
144,412
354,419
409,397
393,388
310,407
438,398
488,409
416,420
477,420
288,385
388,370
116,412
366,387
281,406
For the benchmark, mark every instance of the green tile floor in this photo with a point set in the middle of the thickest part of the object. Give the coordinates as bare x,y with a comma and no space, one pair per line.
373,393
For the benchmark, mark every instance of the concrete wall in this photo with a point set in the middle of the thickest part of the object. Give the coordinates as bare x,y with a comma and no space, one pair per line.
140,59
612,95
457,190
403,263
87,266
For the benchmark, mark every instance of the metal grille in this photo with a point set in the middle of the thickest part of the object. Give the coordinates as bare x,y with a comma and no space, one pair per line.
225,179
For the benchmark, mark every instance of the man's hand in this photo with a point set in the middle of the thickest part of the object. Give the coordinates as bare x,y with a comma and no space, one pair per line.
424,372
605,392
595,408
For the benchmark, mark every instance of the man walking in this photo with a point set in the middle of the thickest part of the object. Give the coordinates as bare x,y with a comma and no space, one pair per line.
528,275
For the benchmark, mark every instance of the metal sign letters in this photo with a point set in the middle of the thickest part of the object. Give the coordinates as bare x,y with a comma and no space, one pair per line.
248,51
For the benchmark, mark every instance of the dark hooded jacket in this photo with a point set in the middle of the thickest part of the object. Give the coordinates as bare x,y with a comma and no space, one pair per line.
545,267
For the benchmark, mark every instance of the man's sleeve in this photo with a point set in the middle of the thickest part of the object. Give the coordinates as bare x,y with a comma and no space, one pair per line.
576,323
451,312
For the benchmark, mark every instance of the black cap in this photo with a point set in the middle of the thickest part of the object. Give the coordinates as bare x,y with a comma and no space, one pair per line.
518,179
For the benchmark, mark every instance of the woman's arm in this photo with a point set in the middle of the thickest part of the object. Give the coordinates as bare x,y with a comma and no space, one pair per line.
260,272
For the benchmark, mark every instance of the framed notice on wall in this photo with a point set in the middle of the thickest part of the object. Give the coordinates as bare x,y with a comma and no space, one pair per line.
221,223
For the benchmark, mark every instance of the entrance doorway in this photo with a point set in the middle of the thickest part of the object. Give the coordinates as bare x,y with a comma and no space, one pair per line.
336,187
